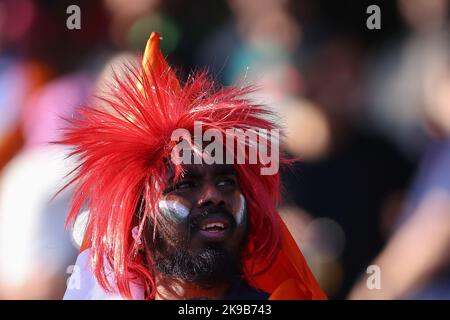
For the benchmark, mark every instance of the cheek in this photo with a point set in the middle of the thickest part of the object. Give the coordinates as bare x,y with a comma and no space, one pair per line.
239,210
173,209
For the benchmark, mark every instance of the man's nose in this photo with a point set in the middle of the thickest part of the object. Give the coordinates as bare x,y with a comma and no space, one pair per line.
210,196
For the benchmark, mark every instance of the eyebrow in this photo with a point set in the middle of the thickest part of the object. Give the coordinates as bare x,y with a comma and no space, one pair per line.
223,170
218,169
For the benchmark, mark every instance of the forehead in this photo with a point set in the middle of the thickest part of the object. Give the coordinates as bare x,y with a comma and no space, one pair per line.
202,170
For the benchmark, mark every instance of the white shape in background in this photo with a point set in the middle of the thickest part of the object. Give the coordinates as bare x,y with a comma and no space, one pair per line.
27,185
79,228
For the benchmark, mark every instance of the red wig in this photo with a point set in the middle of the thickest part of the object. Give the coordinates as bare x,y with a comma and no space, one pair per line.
123,150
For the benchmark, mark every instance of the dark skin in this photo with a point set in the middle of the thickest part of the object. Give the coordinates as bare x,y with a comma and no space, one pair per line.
212,196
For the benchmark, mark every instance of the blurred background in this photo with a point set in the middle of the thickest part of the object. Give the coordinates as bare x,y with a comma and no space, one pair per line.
366,112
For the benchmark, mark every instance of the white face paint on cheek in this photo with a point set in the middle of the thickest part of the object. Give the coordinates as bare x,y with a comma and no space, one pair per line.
241,209
173,209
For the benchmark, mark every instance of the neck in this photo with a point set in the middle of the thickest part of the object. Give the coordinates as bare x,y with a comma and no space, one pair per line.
175,289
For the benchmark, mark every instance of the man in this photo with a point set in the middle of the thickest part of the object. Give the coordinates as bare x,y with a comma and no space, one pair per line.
164,223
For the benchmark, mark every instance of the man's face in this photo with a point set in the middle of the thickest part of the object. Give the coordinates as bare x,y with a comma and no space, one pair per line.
202,227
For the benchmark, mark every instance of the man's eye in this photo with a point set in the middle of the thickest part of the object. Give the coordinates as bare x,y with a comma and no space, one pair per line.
184,185
226,182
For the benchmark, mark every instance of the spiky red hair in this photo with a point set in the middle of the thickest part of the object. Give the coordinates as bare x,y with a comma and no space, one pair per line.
122,151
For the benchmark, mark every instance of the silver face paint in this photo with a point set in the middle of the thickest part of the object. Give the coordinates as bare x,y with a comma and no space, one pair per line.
173,209
241,210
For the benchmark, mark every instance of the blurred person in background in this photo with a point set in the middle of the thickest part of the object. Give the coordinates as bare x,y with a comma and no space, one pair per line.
20,74
343,191
415,264
35,251
130,22
255,46
395,72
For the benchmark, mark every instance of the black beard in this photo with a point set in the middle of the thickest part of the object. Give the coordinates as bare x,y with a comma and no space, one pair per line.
210,267
207,267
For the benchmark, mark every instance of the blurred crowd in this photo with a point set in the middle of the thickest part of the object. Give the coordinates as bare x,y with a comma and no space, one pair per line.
366,113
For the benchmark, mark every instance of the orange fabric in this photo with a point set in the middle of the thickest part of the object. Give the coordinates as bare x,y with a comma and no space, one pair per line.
289,276
291,290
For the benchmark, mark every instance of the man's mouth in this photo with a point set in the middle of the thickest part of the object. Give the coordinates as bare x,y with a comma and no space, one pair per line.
214,227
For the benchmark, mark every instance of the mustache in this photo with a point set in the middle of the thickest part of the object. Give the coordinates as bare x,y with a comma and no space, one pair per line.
194,221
